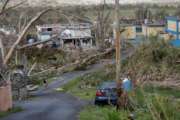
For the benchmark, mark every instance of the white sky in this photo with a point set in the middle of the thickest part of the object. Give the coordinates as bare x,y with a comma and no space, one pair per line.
112,1
81,2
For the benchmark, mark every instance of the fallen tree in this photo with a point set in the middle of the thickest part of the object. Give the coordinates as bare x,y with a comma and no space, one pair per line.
12,49
79,64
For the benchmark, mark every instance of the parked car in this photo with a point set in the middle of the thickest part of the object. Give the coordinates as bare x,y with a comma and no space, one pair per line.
106,94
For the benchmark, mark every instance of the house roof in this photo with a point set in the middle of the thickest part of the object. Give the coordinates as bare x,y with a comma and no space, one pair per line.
69,26
69,34
175,18
155,24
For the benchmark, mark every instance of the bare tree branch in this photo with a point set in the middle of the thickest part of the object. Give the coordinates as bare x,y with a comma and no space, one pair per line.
22,22
5,8
5,5
10,52
31,69
37,43
2,49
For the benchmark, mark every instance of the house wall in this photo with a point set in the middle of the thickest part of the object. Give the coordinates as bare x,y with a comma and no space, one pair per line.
86,43
139,31
44,32
129,33
77,43
61,27
152,31
44,37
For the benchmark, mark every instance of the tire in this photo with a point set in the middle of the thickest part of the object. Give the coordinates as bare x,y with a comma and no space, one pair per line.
95,102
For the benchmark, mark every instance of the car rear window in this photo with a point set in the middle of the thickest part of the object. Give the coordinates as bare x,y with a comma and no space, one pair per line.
108,85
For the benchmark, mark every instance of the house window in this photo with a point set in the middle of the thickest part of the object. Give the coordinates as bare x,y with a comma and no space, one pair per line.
138,29
49,29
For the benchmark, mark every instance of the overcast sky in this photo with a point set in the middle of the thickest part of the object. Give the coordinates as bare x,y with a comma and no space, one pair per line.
121,1
81,2
139,1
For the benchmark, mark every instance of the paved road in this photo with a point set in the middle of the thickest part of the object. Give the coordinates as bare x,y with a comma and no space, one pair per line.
51,105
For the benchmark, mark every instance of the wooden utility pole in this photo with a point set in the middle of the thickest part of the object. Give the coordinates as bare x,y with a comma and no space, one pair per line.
117,44
120,102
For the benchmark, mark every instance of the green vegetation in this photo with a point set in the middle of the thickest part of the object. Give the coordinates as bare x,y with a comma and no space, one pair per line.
85,86
156,105
102,113
11,111
148,102
152,107
156,61
164,91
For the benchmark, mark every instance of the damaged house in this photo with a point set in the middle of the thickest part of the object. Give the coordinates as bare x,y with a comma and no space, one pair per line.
68,35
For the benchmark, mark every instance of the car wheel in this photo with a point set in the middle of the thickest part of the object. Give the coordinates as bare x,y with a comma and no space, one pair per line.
96,103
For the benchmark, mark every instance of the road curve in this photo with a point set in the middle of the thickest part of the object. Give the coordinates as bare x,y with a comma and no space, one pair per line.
51,105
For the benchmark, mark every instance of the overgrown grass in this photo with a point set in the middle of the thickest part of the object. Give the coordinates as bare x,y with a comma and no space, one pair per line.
11,111
164,91
102,113
71,84
159,106
147,106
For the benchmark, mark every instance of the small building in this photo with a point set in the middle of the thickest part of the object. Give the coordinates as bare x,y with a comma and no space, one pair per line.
152,29
69,35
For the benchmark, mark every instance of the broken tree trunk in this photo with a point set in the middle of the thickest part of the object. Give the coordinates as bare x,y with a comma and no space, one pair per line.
75,66
10,52
31,69
37,43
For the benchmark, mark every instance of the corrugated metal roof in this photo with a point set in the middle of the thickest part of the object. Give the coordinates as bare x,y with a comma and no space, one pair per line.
78,25
75,34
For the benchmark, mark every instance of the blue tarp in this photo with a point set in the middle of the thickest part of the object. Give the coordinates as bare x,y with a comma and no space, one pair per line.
175,43
127,85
